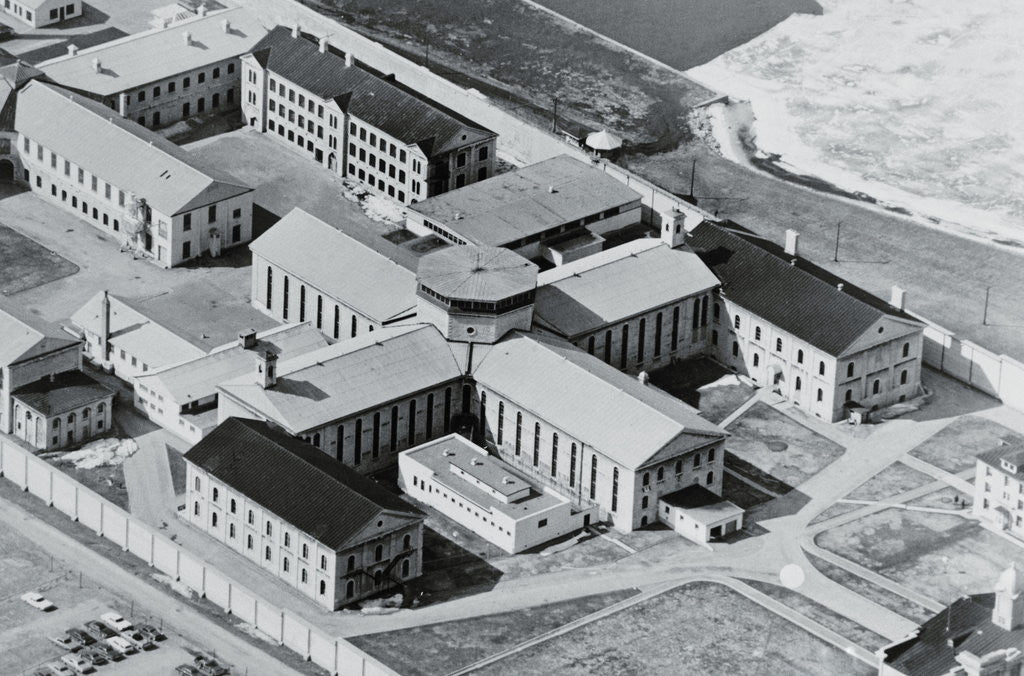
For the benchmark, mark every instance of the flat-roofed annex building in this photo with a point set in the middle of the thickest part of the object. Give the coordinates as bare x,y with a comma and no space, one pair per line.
637,306
126,180
39,13
161,76
554,209
307,519
305,270
487,496
182,398
821,342
999,489
358,124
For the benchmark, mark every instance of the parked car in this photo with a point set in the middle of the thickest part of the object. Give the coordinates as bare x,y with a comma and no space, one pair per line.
78,663
137,639
58,669
84,637
95,655
187,670
98,630
104,650
209,666
121,645
66,642
151,632
38,601
115,622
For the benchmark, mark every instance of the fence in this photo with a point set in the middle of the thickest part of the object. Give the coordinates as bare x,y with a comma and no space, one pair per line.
995,374
63,493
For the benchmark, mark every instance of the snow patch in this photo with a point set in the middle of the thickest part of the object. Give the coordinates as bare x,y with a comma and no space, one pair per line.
101,453
177,585
247,628
376,207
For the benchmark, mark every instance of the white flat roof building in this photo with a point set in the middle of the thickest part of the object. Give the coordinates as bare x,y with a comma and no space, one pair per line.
486,495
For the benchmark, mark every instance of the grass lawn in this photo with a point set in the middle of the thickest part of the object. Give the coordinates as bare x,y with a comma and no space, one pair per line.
766,442
441,648
177,463
895,479
27,264
953,449
869,590
700,628
863,637
107,481
943,499
942,556
742,493
703,384
838,509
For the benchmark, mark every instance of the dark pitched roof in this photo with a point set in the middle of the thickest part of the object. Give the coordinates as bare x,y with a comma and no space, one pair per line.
967,623
691,497
297,482
800,298
67,392
378,101
1012,452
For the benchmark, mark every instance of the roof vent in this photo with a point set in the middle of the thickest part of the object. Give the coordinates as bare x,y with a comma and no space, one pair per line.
322,45
551,189
447,452
201,10
225,26
792,242
476,462
295,30
839,286
349,59
458,215
507,480
186,37
72,50
898,299
792,261
97,67
247,339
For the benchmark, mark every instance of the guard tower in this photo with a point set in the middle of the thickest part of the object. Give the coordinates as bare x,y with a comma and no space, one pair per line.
476,294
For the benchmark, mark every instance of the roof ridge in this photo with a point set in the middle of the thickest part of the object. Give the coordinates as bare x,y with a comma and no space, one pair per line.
399,331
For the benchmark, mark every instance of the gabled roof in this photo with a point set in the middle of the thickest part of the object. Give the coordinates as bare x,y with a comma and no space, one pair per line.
799,298
64,393
481,273
198,379
340,266
383,103
526,201
20,341
616,288
151,56
1012,452
119,151
625,420
355,375
301,485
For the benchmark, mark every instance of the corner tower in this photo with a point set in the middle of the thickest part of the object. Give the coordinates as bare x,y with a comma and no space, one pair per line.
476,294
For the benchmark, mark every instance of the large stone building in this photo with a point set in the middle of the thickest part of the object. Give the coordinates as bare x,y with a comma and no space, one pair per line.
999,489
159,77
556,209
977,635
39,13
358,124
307,519
45,399
819,341
304,270
126,180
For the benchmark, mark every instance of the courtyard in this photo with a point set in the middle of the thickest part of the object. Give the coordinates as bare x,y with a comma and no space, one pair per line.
955,447
704,384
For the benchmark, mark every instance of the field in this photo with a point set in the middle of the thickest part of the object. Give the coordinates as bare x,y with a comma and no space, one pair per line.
28,264
954,448
869,590
895,479
700,628
441,648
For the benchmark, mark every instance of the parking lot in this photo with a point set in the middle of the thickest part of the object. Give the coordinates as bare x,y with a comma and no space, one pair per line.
25,632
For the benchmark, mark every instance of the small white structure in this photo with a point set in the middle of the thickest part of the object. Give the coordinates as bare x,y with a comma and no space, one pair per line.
698,514
999,489
603,142
484,494
38,13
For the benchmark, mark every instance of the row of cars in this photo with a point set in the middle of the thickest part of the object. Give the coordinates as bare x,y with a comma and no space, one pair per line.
97,642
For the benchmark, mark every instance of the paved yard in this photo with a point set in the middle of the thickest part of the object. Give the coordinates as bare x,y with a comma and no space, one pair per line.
870,590
703,384
954,448
28,264
942,556
701,628
442,648
775,451
895,479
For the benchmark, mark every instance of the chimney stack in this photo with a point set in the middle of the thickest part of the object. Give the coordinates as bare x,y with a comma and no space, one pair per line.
72,50
187,38
899,298
201,10
266,369
322,45
247,339
295,30
644,378
792,243
349,60
97,67
839,286
225,25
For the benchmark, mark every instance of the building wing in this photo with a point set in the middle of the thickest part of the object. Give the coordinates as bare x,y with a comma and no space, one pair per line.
22,341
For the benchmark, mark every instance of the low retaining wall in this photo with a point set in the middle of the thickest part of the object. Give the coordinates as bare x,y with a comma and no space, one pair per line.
22,468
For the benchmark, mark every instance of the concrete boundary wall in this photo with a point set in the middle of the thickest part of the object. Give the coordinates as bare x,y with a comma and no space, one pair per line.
22,468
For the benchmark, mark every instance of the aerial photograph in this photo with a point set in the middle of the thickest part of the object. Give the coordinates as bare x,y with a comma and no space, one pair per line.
511,337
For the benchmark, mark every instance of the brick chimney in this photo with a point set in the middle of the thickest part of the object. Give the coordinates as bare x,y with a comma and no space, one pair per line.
899,298
792,243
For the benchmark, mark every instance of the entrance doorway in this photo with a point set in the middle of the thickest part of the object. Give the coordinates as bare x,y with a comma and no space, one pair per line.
6,171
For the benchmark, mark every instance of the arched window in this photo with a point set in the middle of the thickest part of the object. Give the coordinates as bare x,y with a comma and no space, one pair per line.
316,439
231,530
305,551
876,387
351,563
757,360
736,322
213,519
647,479
796,386
198,483
405,568
906,349
711,478
287,539
849,395
56,423
849,370
696,460
378,552
284,564
661,473
100,407
266,553
232,506
711,455
406,542
821,394
679,466
195,508
643,503
821,368
323,562
903,377
252,518
85,412
350,589
248,541
717,312
757,333
376,578
304,576
216,494
799,356
71,418
323,587
270,528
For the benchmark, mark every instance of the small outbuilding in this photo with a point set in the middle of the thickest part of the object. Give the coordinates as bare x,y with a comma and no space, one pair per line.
698,514
604,143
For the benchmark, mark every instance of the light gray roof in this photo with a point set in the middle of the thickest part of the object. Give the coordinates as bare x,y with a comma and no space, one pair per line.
343,268
198,378
20,341
477,273
118,151
637,281
603,408
520,203
336,382
150,56
627,421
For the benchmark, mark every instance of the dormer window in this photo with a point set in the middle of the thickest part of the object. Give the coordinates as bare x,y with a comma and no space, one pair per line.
1009,467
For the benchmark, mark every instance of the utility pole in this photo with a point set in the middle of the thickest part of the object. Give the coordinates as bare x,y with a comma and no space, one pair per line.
835,257
984,318
693,174
554,116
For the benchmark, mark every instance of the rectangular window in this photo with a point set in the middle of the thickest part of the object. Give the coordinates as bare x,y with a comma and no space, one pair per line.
501,422
212,213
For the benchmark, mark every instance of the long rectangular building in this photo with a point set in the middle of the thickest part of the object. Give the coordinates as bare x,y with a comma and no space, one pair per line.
159,77
358,124
126,180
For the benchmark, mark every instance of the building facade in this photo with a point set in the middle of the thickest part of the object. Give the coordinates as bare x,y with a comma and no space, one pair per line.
357,124
353,539
39,13
999,489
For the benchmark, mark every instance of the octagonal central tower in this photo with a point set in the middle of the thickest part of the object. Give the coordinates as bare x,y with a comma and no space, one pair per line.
476,294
